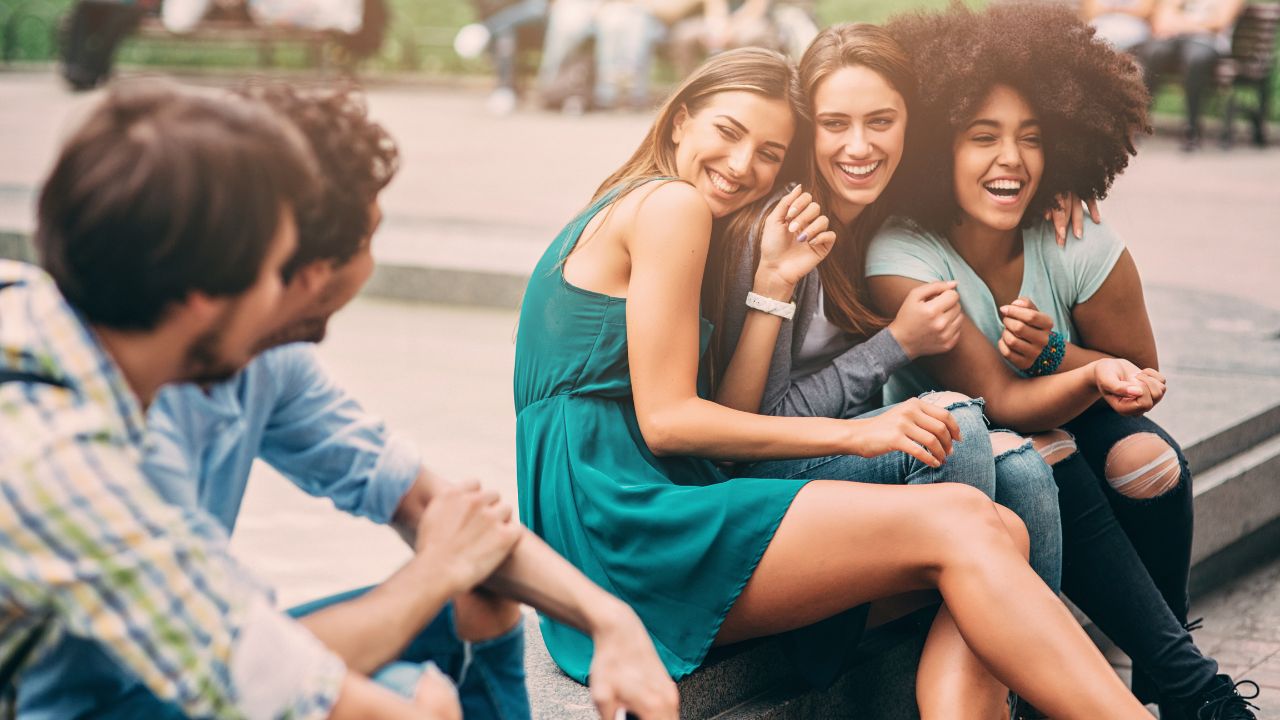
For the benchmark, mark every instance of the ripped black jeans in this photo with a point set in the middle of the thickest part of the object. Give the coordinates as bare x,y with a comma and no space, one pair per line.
1126,560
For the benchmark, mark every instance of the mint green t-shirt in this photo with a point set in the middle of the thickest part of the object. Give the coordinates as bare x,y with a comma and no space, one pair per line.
1055,278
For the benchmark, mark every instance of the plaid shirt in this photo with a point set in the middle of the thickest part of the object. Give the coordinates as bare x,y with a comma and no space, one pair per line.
86,541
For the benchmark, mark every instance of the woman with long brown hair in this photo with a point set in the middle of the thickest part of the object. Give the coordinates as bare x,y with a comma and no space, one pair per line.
615,443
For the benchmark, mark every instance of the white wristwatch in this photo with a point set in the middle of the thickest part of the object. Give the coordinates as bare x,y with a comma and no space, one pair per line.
784,310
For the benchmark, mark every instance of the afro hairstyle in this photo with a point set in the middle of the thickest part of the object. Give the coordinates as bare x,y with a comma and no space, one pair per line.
1090,99
356,158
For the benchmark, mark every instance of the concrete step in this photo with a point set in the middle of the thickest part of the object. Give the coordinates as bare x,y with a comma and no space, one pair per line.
1237,522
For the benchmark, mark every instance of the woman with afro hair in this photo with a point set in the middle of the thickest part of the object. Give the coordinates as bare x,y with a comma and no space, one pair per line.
1016,104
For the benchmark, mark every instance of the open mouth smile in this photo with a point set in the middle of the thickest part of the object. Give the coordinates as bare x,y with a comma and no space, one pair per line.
860,173
1004,190
722,183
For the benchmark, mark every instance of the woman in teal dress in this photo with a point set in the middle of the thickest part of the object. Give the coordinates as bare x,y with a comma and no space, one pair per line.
615,445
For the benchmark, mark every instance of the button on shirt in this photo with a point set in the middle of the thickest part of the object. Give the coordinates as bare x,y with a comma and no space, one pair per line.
200,449
87,541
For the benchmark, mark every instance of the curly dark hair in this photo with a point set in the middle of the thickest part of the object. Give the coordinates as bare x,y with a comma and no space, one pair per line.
356,158
1090,99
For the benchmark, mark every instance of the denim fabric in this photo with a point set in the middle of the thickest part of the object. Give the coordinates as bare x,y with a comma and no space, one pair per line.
1024,484
1103,574
969,464
1027,482
489,674
1159,529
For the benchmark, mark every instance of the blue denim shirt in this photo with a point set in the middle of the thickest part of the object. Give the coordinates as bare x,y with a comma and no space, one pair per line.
200,447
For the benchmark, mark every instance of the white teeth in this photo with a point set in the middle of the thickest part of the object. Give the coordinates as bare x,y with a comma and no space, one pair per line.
721,183
859,169
1014,185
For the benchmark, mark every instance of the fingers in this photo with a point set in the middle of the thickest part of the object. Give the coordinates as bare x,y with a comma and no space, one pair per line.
944,415
1077,220
813,223
928,291
782,211
823,242
1059,215
1012,345
1019,315
1093,210
799,205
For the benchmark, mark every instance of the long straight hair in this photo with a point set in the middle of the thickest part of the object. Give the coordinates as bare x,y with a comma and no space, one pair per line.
754,70
843,282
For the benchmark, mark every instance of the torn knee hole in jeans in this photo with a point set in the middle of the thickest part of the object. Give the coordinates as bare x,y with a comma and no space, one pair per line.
1004,442
951,400
1054,446
1143,466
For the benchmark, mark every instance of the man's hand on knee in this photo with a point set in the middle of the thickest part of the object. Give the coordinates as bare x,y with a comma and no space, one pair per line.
466,533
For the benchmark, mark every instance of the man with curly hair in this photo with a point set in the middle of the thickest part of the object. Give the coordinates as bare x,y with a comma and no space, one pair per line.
1018,103
450,617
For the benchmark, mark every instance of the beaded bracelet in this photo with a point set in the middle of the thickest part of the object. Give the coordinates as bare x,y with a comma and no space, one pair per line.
1050,357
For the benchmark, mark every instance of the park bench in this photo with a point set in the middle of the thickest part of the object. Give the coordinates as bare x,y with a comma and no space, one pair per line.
1251,65
232,32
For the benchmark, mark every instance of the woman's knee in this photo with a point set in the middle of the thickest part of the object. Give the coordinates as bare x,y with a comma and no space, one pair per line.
948,399
1054,446
1004,442
1143,466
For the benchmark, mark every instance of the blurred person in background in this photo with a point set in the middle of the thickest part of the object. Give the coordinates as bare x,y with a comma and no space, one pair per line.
506,30
1188,38
1124,24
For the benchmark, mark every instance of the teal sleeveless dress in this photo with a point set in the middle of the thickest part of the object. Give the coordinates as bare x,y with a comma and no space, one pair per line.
673,537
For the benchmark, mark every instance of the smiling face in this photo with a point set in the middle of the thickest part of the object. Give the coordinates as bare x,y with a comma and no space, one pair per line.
731,149
860,131
999,161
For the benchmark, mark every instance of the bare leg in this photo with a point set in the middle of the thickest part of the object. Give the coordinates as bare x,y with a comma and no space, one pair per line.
951,537
952,682
479,615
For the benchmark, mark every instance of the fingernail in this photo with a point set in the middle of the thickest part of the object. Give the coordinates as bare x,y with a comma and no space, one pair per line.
804,237
793,227
792,186
621,714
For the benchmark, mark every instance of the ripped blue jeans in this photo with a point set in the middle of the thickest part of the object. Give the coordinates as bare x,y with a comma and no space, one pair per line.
1018,479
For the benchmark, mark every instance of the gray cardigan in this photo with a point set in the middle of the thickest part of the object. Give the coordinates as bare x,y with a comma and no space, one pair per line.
845,387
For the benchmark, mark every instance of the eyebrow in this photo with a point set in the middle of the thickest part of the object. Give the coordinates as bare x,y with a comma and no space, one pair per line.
881,111
1031,122
743,129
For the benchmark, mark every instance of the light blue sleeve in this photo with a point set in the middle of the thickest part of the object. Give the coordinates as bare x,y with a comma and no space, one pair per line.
1088,262
901,248
320,438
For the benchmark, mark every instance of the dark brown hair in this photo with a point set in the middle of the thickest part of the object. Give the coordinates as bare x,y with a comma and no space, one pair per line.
356,158
164,192
1090,99
837,47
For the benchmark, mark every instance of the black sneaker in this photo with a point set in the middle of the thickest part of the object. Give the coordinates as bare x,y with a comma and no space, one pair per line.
1220,701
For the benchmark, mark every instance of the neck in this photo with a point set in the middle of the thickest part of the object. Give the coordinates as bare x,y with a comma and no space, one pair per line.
847,212
147,360
984,247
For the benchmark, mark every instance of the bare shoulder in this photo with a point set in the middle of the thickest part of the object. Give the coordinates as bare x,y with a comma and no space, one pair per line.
670,212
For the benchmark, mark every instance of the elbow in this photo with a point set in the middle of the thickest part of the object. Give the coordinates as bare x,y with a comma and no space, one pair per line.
662,434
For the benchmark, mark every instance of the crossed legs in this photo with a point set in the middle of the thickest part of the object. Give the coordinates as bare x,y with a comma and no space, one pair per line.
901,539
